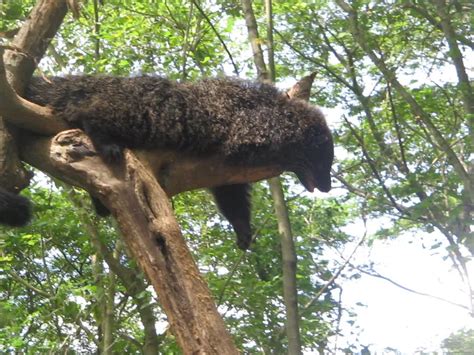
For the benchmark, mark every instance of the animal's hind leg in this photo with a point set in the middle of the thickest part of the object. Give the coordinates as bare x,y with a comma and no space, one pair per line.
234,203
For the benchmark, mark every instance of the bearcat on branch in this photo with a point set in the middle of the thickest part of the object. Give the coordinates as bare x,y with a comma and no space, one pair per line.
248,123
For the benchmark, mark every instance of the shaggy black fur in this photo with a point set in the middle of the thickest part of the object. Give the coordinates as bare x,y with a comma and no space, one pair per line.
246,122
15,210
234,203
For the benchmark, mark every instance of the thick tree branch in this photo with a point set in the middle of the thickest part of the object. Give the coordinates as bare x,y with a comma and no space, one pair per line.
152,234
176,172
32,38
25,114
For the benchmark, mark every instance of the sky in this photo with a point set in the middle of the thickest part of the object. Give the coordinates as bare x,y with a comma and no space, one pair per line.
393,317
390,316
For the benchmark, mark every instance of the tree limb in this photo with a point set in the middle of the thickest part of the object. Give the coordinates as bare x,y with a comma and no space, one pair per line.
25,283
25,114
32,38
152,234
377,275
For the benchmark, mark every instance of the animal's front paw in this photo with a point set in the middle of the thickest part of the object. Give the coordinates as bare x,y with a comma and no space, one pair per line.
243,242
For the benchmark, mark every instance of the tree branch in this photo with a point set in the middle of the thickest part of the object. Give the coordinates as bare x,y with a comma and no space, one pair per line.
455,53
25,283
377,275
23,113
152,234
416,109
422,11
254,39
219,37
336,275
32,38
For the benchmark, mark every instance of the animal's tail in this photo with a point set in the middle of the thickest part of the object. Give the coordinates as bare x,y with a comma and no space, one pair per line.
15,210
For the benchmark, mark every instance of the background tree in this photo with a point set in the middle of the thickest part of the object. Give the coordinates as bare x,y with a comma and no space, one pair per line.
407,132
461,342
404,143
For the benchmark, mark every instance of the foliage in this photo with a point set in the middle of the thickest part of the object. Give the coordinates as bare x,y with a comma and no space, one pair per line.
398,72
461,342
13,12
377,63
50,279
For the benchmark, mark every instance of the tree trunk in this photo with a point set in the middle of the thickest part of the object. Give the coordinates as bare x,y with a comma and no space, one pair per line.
288,252
286,238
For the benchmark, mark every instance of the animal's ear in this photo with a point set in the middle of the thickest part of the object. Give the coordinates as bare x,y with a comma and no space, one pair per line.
302,89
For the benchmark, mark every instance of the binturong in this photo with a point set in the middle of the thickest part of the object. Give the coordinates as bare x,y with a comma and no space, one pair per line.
248,123
15,210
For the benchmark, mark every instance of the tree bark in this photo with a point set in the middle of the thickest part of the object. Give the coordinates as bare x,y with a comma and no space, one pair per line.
290,294
31,41
152,234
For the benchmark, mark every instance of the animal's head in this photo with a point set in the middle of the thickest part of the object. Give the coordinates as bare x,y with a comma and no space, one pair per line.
312,162
315,170
313,154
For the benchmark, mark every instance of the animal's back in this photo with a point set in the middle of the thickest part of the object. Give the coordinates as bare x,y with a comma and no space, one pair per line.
233,117
139,112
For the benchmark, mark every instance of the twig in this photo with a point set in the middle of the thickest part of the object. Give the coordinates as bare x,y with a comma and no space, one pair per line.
25,283
236,69
376,274
336,275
